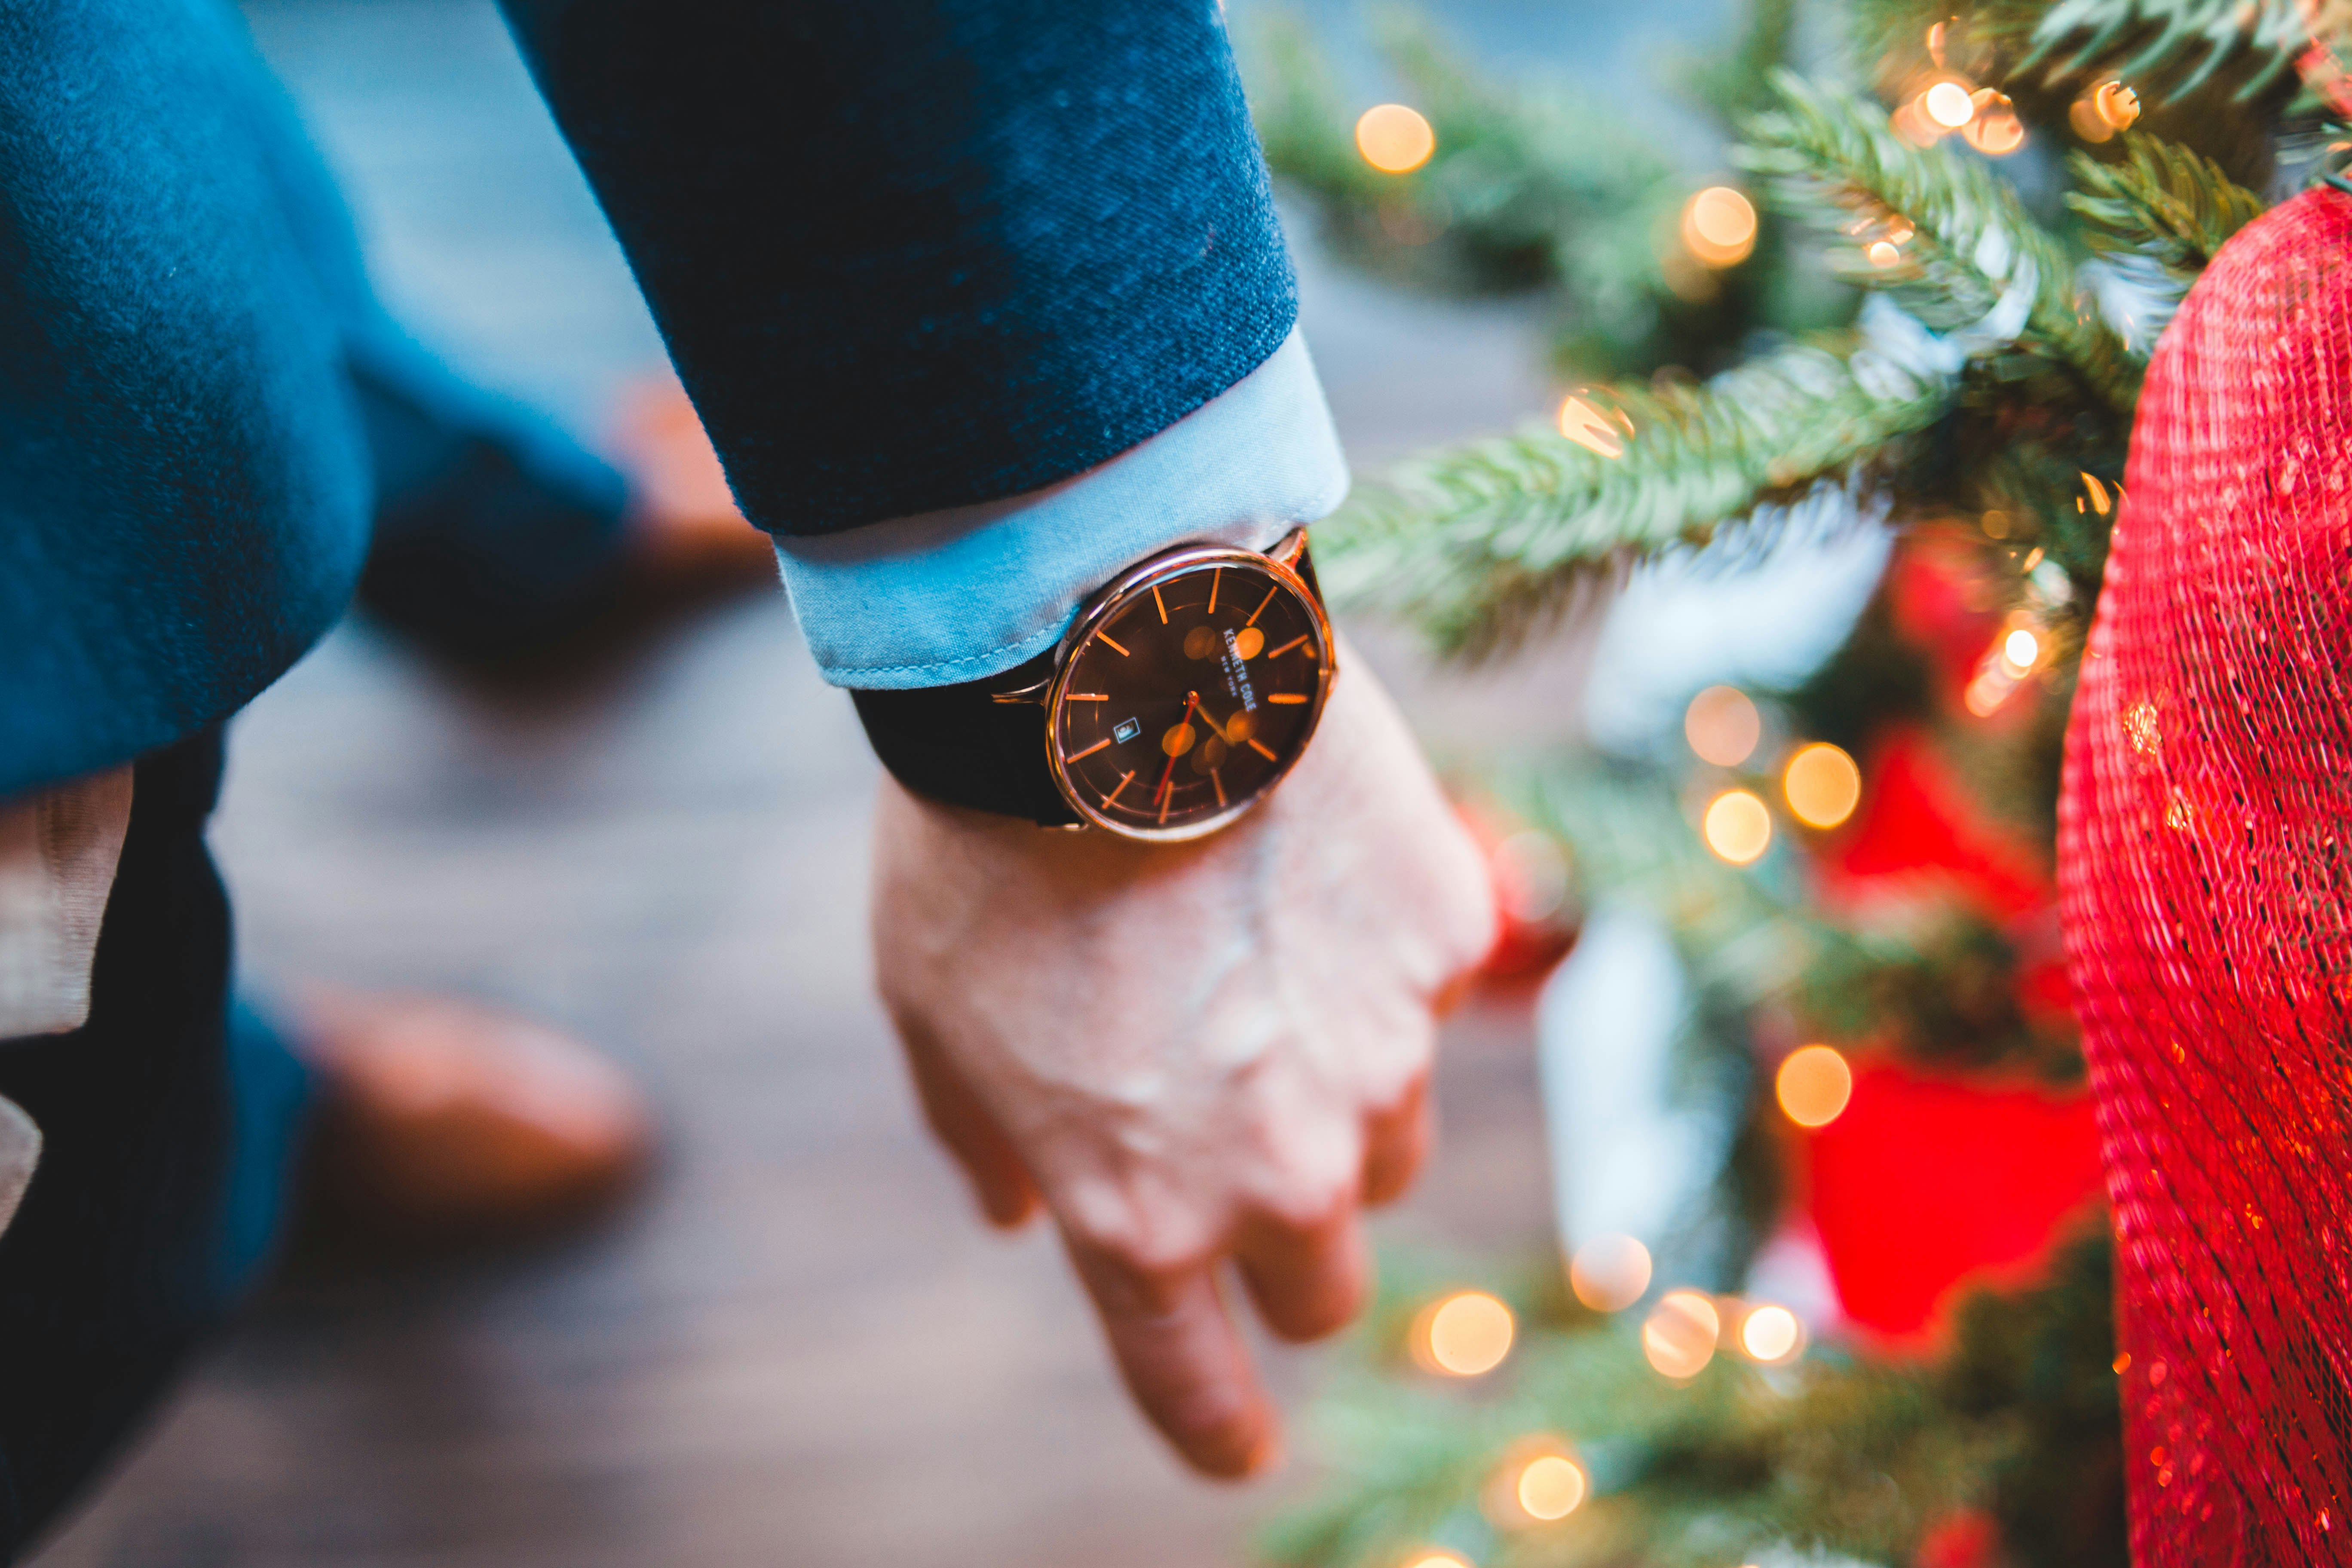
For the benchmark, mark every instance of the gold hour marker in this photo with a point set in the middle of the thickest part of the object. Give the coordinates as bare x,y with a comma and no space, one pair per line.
1105,696
1262,604
1161,602
1167,799
1261,748
1106,637
1103,744
1293,643
1216,577
1125,779
1220,788
1286,696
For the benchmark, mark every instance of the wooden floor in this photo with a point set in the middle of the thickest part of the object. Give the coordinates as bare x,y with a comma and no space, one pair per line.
800,1348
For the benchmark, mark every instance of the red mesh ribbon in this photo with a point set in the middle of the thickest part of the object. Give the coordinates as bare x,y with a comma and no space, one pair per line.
2206,873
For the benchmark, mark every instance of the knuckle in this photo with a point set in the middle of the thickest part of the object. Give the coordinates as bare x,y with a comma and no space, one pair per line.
1308,1196
1152,1242
1395,1086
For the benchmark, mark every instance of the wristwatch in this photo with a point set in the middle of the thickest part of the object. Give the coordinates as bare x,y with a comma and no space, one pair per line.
1186,688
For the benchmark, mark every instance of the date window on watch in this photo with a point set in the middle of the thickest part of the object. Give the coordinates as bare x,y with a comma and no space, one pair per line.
1128,730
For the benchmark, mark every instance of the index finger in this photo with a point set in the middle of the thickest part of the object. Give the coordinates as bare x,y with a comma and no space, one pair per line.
1184,1360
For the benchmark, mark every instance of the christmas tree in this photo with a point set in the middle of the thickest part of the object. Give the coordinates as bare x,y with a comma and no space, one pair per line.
1926,305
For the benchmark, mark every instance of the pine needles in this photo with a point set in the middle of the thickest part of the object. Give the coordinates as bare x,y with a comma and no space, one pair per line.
1479,545
2144,38
2162,202
1962,251
2185,43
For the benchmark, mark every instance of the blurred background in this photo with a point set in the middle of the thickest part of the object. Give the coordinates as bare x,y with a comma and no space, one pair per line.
801,1346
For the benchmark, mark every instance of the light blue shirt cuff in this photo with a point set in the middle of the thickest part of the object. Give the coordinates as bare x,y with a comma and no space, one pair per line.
970,592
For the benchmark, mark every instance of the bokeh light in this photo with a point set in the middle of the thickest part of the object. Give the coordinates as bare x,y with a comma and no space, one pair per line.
1995,132
1723,726
1610,1273
1949,104
2021,649
1395,139
1813,1086
1822,784
1719,227
2116,104
1464,1335
2088,123
1439,1559
1737,826
1550,1486
1883,253
1530,876
1770,1334
1680,1333
1586,426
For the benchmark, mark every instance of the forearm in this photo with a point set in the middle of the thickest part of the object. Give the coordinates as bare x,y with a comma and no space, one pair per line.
915,259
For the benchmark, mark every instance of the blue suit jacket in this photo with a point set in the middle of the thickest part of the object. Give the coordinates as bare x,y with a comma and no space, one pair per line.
906,256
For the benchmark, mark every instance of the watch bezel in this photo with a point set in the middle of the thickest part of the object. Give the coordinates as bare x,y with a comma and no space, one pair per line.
1129,586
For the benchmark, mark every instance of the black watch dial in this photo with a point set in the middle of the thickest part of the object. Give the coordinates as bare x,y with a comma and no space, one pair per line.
1189,696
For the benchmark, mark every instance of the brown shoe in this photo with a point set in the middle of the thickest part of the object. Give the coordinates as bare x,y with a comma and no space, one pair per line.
444,1120
686,532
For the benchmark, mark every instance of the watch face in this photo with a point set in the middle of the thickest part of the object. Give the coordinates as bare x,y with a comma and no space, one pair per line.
1190,693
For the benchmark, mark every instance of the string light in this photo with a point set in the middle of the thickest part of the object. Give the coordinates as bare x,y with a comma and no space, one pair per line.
1586,426
1679,1336
1737,827
1610,1273
2116,104
1464,1335
1949,104
1395,139
1723,726
1813,1086
1996,130
1770,1334
1550,1487
1719,227
1883,253
2014,655
1822,784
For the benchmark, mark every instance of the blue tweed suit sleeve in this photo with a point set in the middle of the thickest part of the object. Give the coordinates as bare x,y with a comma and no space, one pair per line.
921,254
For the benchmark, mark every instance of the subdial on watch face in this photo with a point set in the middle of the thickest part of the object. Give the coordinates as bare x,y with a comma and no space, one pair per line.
1192,697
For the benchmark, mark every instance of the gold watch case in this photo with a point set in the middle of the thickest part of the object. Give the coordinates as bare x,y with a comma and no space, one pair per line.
1221,662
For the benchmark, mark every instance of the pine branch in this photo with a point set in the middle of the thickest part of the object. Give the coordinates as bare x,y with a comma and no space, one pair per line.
1482,544
1740,80
1975,254
2145,37
2182,44
1525,180
2163,202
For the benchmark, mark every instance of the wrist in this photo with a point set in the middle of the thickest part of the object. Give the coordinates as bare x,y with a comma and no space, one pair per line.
1182,695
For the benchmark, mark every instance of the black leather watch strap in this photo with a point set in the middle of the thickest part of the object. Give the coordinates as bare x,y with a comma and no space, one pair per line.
958,745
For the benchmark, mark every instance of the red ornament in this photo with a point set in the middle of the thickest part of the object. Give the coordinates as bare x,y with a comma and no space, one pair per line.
1965,1538
1534,915
2206,866
1917,825
1927,1182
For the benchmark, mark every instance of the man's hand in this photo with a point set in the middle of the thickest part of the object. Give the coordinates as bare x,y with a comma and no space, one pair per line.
1193,1052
